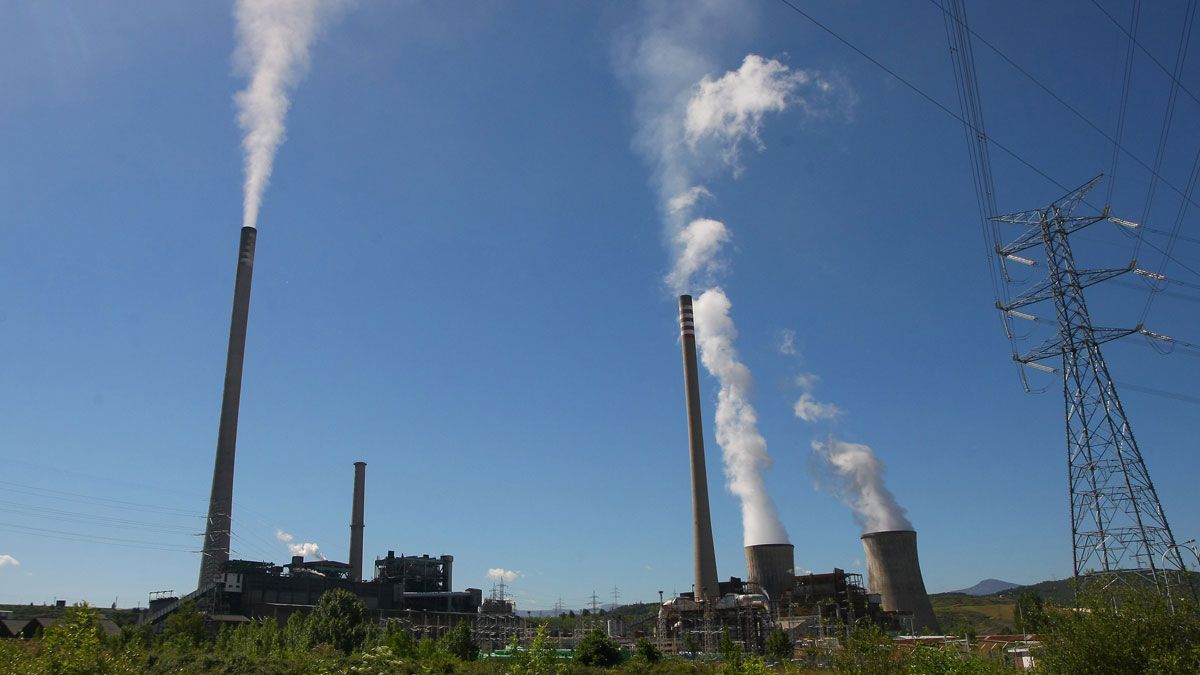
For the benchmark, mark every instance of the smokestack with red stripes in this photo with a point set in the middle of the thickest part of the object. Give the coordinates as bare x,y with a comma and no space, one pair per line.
220,502
356,521
705,558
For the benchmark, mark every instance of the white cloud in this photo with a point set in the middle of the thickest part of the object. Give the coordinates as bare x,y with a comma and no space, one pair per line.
283,536
501,574
787,342
8,560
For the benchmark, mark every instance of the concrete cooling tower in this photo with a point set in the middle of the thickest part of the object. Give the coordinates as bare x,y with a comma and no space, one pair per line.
769,569
894,572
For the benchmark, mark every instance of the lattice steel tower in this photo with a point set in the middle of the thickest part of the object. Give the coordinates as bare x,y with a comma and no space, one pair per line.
1120,531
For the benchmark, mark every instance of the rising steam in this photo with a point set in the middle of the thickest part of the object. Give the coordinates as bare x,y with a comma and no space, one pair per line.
855,475
689,122
273,40
306,549
742,446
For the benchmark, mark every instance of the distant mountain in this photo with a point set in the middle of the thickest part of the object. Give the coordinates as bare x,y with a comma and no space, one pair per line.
987,587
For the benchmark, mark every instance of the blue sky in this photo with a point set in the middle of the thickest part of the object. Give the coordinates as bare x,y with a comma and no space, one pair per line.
460,281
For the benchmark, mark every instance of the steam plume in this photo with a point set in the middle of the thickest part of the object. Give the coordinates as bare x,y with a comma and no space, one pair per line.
306,549
273,40
6,559
684,116
743,447
807,407
855,476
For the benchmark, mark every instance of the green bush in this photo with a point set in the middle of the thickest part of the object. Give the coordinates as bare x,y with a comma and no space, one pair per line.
595,649
1133,631
339,620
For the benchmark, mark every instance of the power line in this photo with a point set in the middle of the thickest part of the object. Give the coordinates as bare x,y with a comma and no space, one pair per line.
1137,10
1168,115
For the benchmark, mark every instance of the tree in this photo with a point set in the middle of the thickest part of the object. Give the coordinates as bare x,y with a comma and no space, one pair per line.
868,651
1030,613
340,620
731,652
458,642
539,659
595,649
779,646
73,645
185,626
646,652
1130,631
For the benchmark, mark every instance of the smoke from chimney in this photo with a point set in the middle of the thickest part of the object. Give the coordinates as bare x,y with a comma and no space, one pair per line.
305,549
273,41
853,473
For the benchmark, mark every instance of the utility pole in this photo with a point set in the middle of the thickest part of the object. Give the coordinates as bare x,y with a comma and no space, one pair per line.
595,602
616,593
1120,533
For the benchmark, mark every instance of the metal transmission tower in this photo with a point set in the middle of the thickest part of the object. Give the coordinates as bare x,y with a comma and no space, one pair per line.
1120,531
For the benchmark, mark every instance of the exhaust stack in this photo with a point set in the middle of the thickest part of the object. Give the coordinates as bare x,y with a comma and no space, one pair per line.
769,569
894,572
705,556
220,502
356,521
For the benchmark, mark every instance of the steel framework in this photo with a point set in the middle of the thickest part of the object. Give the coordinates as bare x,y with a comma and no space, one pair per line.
1117,522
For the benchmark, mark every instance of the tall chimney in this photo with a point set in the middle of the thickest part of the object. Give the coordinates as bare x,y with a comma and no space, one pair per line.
769,569
706,559
356,521
894,572
220,502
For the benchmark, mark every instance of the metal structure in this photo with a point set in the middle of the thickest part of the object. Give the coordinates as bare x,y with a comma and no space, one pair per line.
705,555
356,521
218,527
894,572
1119,530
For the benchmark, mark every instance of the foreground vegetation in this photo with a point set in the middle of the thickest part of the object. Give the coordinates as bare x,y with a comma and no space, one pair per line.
1133,633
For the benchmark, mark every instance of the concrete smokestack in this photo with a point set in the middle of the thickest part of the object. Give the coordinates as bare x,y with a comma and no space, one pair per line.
220,502
769,569
894,572
706,558
356,521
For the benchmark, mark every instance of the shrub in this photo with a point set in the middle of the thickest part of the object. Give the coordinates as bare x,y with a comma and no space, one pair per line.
340,620
595,649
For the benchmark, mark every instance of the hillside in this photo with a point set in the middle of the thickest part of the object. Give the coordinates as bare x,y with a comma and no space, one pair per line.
987,587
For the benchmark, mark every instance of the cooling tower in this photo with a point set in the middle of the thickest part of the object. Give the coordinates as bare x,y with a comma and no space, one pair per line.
769,569
356,521
706,558
894,572
220,502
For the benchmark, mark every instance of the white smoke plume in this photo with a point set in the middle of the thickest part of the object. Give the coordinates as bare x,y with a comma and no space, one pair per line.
501,574
8,560
853,473
730,109
743,447
273,41
807,407
305,549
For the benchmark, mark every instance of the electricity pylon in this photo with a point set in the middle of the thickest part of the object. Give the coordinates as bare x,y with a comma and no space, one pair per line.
1119,529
